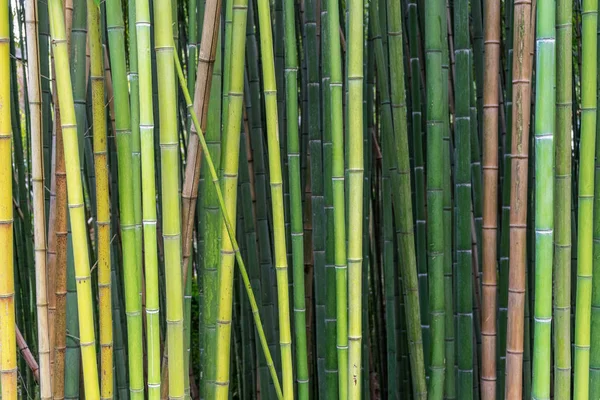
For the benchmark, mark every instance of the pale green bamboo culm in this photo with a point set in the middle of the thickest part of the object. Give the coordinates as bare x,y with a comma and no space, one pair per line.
281,267
133,303
355,193
230,232
149,197
170,160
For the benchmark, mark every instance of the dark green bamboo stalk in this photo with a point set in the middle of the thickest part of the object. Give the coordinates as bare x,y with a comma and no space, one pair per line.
115,27
293,153
462,159
434,12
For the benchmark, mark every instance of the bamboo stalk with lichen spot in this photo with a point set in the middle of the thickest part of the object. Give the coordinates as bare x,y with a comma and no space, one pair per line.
102,200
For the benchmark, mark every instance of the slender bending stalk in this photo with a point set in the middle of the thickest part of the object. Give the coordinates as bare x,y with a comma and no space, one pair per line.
75,198
169,151
8,351
544,196
293,148
462,124
37,177
102,200
133,306
434,11
229,230
339,208
355,189
490,207
149,197
521,73
586,200
563,192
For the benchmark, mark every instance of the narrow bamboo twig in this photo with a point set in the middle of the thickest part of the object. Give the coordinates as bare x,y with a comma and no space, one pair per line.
27,355
37,177
230,232
143,29
102,200
490,202
76,202
8,351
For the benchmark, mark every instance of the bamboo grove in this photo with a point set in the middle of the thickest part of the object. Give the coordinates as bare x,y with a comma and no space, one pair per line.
256,199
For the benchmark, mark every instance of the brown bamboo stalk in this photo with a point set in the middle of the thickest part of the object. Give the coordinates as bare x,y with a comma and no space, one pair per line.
490,197
27,355
522,48
37,177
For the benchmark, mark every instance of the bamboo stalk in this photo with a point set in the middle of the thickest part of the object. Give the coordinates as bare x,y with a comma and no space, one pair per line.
102,200
143,29
490,207
521,92
587,220
8,352
563,202
293,153
75,198
127,198
544,195
37,177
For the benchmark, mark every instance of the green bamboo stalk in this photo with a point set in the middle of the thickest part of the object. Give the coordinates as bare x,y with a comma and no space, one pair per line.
148,187
355,189
339,209
270,96
293,154
434,11
586,201
134,105
115,27
404,212
544,196
169,142
563,192
464,296
75,197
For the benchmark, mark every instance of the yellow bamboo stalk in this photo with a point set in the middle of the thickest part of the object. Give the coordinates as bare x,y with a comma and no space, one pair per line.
75,200
102,199
8,347
37,177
